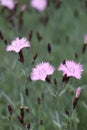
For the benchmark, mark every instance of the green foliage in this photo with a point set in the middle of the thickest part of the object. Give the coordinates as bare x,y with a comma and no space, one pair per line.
65,31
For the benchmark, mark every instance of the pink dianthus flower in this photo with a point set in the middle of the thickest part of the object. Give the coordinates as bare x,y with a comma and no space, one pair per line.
40,5
41,71
71,69
10,4
18,44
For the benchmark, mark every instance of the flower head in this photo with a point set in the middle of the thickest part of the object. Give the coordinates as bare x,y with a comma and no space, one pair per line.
71,68
41,71
10,4
40,5
18,44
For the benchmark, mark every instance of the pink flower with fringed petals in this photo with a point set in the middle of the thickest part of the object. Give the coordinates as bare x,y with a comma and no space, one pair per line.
41,71
71,69
10,4
18,44
40,5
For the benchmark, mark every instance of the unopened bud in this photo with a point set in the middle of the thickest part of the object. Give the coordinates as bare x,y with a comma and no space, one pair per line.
39,37
28,126
1,35
85,39
21,57
49,47
41,122
22,112
39,100
78,91
21,120
10,109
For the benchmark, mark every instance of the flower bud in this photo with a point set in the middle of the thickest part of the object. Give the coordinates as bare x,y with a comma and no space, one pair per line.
78,91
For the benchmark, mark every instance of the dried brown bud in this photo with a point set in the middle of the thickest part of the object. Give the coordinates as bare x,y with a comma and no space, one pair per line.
5,41
49,47
21,120
39,100
35,56
28,126
67,112
45,19
55,81
64,62
22,112
21,57
1,35
29,78
58,3
41,122
39,37
26,92
10,109
76,55
84,48
48,79
65,79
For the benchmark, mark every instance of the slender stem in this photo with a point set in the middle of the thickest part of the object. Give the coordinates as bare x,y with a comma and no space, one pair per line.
59,110
58,105
70,119
11,123
70,123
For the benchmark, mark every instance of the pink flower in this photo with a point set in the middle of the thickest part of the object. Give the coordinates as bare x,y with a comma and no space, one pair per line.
10,4
41,71
40,5
18,44
85,39
78,91
70,68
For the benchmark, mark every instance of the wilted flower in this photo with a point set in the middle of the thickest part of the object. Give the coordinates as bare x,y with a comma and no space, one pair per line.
71,69
10,4
41,71
40,5
18,44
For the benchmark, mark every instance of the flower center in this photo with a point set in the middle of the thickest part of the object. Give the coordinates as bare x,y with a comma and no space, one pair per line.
72,70
42,72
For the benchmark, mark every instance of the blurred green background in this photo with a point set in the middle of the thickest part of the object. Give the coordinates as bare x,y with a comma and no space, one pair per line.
65,31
